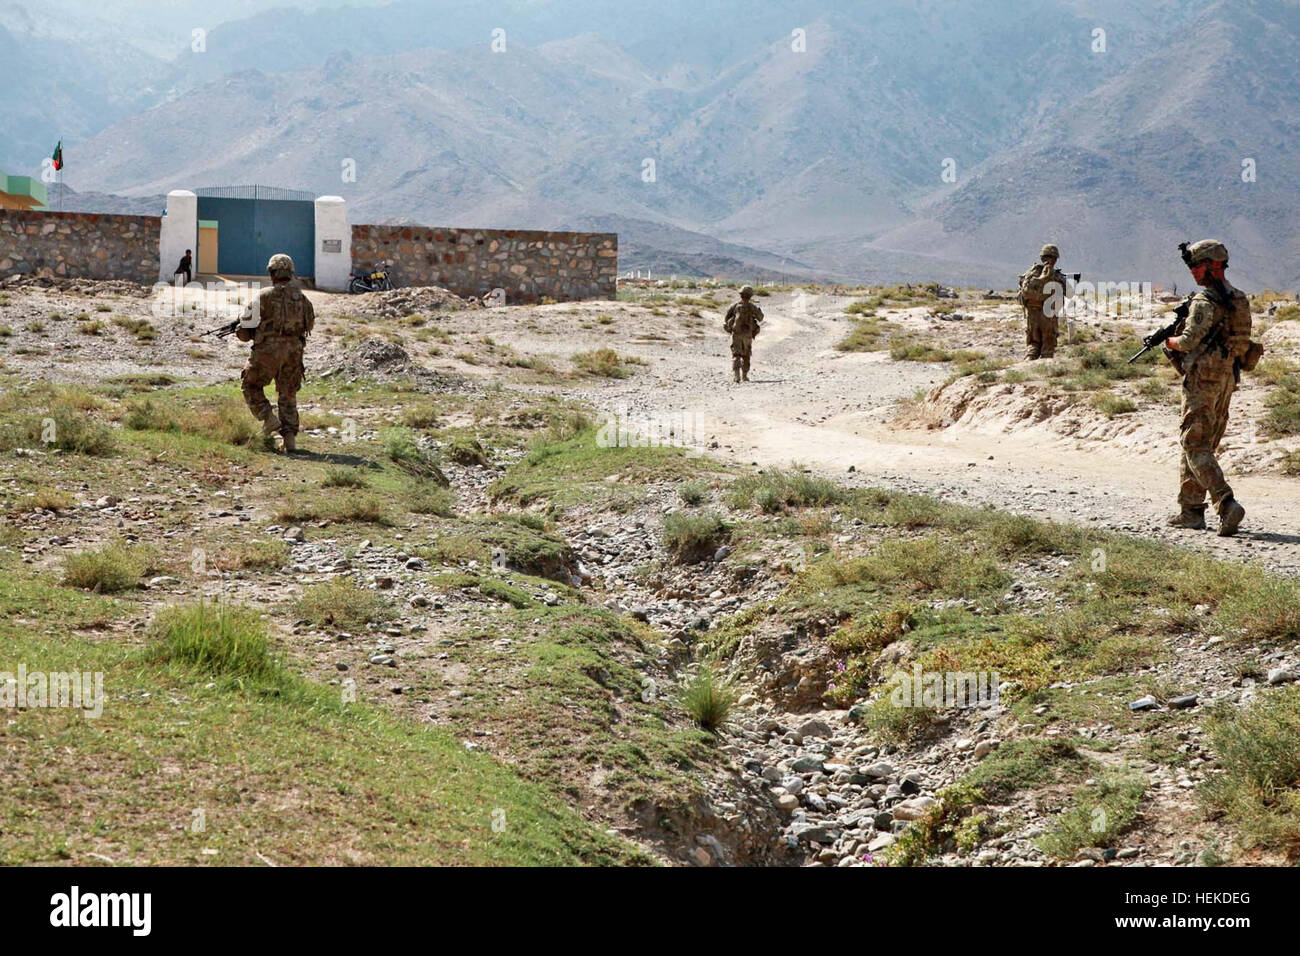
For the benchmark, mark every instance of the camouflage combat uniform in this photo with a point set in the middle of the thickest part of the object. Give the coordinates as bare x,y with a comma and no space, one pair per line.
1205,355
744,320
286,319
1040,329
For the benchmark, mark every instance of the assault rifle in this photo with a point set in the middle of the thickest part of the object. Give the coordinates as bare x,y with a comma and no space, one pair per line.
223,331
1173,328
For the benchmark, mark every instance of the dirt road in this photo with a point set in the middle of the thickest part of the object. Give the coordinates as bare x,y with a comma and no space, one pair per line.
829,410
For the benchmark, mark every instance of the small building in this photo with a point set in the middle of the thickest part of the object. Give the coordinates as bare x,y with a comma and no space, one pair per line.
22,192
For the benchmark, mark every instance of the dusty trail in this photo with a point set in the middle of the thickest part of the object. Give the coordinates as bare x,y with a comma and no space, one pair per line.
830,410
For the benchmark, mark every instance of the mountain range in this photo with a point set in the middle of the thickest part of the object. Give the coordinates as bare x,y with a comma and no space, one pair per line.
895,140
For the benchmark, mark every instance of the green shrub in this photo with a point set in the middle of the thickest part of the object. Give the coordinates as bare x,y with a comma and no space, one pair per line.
693,493
467,451
1110,404
1259,788
708,701
344,478
601,362
691,538
109,569
219,640
403,449
342,604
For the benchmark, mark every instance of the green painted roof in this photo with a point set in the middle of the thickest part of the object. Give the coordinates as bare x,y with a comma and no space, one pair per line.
24,186
207,223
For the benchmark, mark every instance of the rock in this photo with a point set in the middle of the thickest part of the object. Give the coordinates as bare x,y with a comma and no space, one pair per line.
1183,702
1144,703
913,809
295,534
883,841
1281,675
419,600
787,802
383,659
702,856
815,728
880,770
108,501
986,747
813,833
721,553
809,763
163,581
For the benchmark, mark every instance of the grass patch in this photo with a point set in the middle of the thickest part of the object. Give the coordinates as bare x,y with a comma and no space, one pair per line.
403,449
222,418
777,490
1259,787
708,700
112,568
1110,404
1100,814
344,478
217,640
604,363
343,605
691,538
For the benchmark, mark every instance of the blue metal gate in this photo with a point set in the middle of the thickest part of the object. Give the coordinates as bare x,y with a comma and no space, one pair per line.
256,223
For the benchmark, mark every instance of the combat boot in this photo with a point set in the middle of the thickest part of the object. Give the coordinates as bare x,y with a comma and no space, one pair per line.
1230,515
1189,517
737,375
271,423
290,444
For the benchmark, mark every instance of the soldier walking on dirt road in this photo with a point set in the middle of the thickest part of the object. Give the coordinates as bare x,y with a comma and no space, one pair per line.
744,321
277,322
1211,353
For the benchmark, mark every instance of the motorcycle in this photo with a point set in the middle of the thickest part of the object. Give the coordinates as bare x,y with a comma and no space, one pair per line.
370,280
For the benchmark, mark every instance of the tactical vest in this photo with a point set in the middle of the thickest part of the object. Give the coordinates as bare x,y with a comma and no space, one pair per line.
1237,325
283,312
1232,330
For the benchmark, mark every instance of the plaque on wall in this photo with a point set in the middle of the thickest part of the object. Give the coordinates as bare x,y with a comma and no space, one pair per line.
331,245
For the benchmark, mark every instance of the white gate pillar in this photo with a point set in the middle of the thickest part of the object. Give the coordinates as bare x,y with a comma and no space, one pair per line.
333,244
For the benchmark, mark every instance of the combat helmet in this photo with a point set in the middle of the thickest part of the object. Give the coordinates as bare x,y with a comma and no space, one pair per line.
746,291
280,266
1050,250
1207,250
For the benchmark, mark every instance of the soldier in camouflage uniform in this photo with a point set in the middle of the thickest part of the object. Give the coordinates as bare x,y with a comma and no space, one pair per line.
1040,329
744,321
1206,355
277,322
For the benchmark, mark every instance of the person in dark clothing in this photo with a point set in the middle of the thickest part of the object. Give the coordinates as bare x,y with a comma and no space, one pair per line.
185,267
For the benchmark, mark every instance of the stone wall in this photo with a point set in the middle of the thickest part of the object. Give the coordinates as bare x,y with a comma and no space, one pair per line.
79,245
529,265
